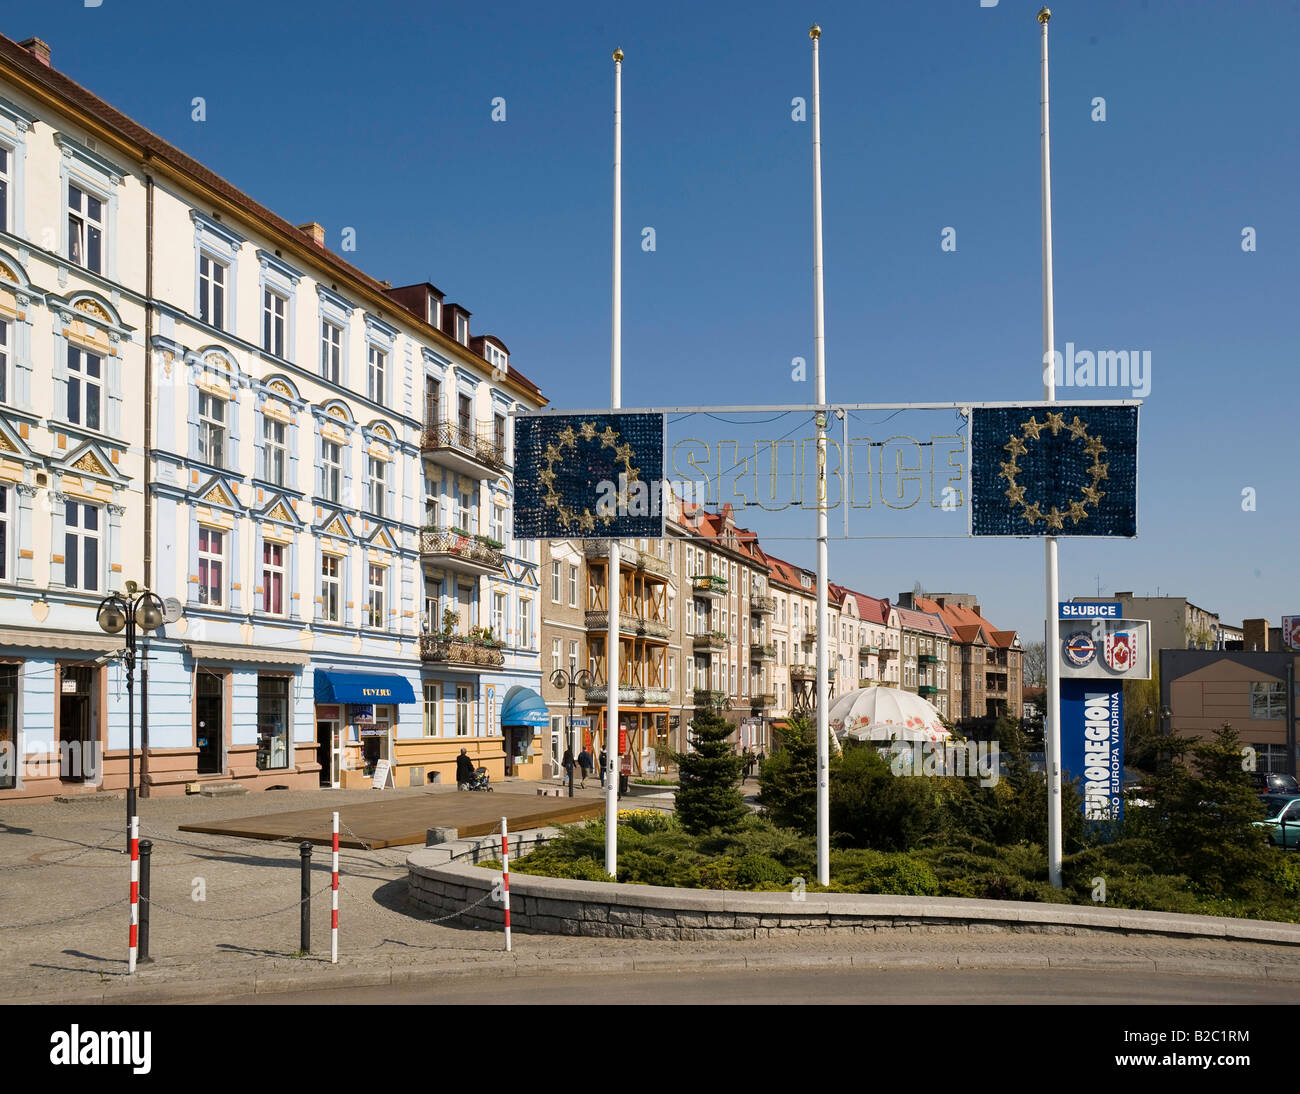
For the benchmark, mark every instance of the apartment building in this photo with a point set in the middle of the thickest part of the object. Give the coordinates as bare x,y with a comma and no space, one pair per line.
925,657
1176,623
313,466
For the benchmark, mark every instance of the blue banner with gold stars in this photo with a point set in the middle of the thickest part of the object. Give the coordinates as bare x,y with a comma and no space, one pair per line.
1061,470
589,476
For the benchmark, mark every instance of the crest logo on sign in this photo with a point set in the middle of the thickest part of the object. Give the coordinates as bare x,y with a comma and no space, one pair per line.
1120,651
1080,649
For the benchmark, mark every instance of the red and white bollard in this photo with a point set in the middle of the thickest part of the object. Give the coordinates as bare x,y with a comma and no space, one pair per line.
505,876
334,897
134,941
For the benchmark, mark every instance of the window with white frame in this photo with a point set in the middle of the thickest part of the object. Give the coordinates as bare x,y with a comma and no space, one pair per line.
4,188
275,311
331,588
464,511
331,470
81,546
212,429
672,671
573,586
376,367
273,562
376,596
464,709
376,486
555,654
497,526
4,361
526,623
212,291
85,387
4,533
85,228
573,653
212,566
555,581
331,351
462,330
432,708
275,449
499,433
498,616
1267,699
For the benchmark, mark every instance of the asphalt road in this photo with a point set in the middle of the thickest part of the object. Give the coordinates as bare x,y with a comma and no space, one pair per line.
890,986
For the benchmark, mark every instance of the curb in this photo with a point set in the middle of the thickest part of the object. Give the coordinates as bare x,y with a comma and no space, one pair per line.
507,967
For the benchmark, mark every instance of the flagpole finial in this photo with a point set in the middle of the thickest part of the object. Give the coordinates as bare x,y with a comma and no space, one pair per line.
1044,15
618,55
814,32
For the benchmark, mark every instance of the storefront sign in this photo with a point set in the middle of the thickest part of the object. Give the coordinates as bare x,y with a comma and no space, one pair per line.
374,731
490,694
1106,649
363,713
383,775
1090,609
622,739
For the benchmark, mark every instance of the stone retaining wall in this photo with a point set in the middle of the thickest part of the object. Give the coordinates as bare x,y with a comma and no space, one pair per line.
609,910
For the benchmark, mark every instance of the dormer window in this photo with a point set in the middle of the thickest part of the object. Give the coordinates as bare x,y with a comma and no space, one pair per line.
435,312
462,330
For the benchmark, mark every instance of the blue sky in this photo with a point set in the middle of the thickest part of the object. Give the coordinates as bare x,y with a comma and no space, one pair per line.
378,117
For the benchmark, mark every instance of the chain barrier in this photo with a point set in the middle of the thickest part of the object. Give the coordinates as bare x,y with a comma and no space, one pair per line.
115,838
237,918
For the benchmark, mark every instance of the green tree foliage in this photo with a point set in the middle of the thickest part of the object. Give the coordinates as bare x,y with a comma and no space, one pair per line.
1202,814
788,780
707,792
873,807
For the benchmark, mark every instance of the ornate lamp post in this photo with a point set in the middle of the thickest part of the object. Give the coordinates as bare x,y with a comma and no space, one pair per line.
573,679
117,612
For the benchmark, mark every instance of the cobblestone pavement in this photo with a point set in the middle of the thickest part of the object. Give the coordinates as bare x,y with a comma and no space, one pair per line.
64,915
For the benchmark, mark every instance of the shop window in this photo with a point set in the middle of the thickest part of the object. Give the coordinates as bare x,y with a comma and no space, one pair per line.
9,726
464,709
272,723
432,709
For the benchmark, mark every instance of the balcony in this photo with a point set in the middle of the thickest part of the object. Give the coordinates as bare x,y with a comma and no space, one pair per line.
709,586
456,550
651,564
759,651
927,689
928,658
867,682
762,605
868,651
464,447
628,558
714,641
705,698
764,701
628,624
807,672
629,695
888,651
458,649
809,637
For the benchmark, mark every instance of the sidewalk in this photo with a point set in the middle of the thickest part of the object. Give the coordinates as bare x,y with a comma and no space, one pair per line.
64,917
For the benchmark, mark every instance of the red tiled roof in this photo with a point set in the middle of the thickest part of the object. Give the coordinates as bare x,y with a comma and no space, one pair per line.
153,149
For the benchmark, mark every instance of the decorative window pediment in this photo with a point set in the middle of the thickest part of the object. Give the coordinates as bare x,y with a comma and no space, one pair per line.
90,459
337,524
280,509
220,492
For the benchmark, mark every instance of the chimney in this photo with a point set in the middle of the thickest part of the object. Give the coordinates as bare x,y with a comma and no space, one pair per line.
316,231
38,49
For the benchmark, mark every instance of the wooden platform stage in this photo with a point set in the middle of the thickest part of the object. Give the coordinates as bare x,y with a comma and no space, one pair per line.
399,821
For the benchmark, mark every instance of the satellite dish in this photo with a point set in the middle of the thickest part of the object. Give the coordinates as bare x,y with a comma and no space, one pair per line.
171,610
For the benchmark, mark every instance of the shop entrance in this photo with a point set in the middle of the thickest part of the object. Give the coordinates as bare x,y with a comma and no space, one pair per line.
209,721
328,751
375,744
77,720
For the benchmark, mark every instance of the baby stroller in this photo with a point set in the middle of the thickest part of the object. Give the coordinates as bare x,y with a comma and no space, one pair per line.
480,782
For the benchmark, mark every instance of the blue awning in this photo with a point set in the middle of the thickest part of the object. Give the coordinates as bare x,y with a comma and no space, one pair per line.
524,707
362,687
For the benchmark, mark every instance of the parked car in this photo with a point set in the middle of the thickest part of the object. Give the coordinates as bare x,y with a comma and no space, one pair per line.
1283,820
1271,782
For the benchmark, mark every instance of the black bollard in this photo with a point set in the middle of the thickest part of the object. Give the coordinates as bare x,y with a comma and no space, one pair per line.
146,854
304,942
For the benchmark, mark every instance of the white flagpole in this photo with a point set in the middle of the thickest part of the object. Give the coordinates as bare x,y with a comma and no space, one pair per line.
819,347
615,401
1052,652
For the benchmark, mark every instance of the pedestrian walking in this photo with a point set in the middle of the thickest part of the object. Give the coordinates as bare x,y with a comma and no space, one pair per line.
604,765
584,762
568,765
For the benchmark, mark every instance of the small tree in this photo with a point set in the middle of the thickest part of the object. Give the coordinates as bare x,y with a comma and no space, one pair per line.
707,792
788,780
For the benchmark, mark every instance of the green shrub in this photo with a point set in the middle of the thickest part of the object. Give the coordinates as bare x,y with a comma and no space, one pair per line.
859,871
755,870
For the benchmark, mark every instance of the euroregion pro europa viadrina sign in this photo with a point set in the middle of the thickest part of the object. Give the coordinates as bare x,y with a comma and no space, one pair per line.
1098,652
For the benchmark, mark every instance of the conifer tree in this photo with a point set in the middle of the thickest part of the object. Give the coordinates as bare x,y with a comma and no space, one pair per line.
707,792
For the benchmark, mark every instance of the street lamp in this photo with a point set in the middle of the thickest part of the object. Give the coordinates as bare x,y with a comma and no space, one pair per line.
573,679
118,613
